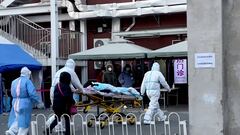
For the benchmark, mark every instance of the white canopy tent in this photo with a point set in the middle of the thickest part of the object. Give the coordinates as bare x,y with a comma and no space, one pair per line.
119,49
176,50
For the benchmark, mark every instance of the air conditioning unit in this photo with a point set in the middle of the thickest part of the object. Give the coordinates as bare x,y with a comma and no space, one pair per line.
96,43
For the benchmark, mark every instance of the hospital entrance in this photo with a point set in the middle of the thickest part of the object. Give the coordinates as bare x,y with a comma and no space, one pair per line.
174,69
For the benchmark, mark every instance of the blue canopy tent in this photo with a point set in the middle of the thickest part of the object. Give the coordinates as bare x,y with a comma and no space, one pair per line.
1,99
13,57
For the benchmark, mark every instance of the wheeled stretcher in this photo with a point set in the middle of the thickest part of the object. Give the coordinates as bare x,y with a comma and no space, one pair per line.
112,99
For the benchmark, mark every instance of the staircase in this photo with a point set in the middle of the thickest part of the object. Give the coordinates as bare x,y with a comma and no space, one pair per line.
31,36
37,40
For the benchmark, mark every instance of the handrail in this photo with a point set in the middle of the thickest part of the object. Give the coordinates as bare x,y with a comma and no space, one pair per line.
27,21
28,24
25,31
70,40
37,38
43,39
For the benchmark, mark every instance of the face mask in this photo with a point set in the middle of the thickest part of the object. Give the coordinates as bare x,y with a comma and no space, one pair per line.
28,75
109,69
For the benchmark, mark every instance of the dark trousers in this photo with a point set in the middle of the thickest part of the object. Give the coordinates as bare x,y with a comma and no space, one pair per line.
58,117
145,101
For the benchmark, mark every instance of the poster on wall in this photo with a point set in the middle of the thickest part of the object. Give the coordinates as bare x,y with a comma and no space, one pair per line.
180,71
204,60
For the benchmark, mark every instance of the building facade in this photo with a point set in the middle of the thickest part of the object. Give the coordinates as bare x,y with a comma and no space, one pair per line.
83,23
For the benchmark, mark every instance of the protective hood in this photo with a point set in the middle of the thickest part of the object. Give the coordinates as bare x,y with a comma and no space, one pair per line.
109,64
155,67
126,66
25,72
109,67
70,64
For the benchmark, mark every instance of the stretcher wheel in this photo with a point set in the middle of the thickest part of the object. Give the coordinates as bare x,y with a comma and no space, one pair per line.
136,104
86,109
90,123
119,120
102,124
131,121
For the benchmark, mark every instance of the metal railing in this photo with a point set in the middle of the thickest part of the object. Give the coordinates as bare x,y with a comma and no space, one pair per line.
24,32
69,42
117,124
38,39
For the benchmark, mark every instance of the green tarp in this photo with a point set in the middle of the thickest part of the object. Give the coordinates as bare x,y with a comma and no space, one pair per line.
176,50
119,49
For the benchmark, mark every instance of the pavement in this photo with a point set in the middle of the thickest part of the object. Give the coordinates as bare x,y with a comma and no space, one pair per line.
182,110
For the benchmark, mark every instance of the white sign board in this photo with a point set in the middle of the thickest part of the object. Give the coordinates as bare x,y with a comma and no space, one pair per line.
180,71
205,60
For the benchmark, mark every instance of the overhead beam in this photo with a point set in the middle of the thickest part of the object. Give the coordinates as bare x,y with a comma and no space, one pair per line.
24,10
155,32
46,18
109,11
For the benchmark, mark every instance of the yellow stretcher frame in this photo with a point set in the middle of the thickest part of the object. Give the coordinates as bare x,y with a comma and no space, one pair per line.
111,107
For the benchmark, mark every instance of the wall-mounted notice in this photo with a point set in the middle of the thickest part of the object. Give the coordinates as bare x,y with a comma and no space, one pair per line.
180,71
204,60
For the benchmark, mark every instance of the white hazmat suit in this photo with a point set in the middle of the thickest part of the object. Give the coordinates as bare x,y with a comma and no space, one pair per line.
70,68
75,85
151,84
24,97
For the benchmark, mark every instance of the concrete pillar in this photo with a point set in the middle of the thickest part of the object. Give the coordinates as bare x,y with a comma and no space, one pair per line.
214,91
116,26
60,27
83,29
205,84
72,25
54,36
59,35
84,68
231,45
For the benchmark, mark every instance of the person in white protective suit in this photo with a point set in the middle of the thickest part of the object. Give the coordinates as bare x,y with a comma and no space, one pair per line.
24,97
76,85
151,84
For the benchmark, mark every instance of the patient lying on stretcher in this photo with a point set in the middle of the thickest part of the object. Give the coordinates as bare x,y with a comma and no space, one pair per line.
112,91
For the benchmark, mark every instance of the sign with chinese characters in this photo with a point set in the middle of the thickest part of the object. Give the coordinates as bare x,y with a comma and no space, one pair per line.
180,71
205,60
